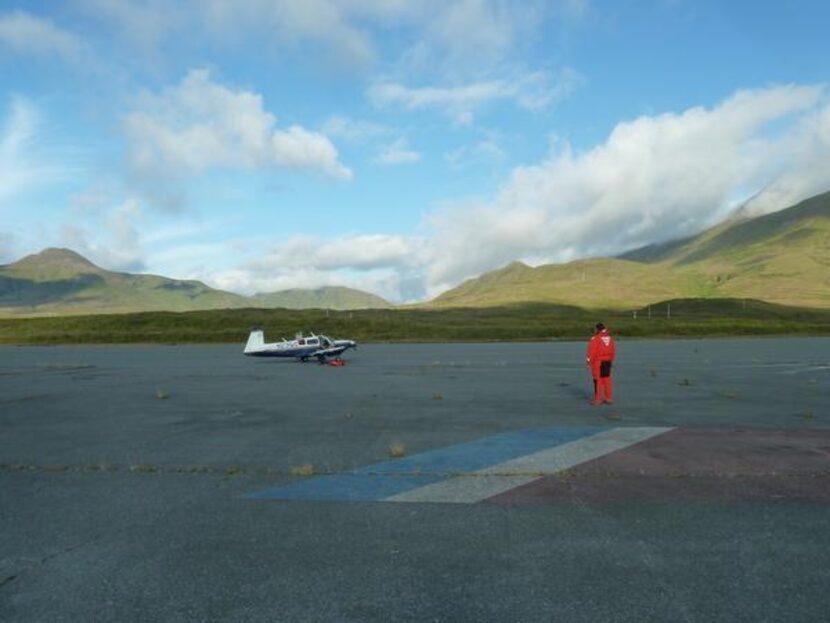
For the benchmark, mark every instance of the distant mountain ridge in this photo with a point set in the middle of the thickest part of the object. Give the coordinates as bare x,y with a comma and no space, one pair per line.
782,257
795,223
63,282
329,297
53,262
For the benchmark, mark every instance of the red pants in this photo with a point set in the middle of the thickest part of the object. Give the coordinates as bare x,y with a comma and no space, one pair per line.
602,385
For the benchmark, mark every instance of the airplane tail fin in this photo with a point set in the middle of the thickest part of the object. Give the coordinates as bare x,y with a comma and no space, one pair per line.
255,340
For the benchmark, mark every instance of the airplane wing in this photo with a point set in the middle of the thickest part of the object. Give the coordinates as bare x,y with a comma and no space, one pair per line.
334,348
328,352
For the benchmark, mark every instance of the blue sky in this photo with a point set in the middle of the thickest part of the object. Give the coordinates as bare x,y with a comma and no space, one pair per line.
398,146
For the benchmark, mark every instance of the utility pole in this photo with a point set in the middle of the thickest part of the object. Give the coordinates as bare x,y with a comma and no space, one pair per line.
668,310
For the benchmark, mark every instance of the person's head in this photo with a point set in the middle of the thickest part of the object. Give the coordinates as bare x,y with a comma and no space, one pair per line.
599,327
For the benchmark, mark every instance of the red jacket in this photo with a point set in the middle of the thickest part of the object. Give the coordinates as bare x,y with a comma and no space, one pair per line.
600,348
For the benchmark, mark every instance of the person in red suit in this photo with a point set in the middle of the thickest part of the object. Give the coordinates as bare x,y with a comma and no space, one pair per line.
600,356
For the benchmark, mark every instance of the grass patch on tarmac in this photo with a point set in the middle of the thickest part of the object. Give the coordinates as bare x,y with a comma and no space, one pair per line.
678,318
302,470
397,450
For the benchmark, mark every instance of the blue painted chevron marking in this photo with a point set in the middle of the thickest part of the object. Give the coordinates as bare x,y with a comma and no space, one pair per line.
390,478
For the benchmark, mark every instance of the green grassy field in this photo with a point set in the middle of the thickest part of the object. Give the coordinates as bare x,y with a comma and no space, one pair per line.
685,318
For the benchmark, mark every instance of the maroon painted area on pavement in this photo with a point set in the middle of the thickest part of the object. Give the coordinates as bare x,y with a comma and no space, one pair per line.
696,465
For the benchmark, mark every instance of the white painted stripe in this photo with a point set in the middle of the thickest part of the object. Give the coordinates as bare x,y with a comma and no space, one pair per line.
484,483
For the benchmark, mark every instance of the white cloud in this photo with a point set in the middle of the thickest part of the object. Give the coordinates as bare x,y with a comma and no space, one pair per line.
191,260
397,153
381,264
388,93
18,134
144,25
467,54
199,125
27,34
324,23
383,283
23,164
376,136
113,243
350,252
532,91
654,178
354,130
180,231
468,40
459,36
808,150
485,151
463,37
460,42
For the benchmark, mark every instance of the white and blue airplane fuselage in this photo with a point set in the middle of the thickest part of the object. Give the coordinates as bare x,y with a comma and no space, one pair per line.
302,348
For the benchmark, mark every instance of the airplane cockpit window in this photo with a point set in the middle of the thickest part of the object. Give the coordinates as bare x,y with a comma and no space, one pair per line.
312,342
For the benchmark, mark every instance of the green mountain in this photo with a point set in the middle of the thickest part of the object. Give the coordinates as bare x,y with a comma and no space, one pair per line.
591,284
61,282
782,258
328,297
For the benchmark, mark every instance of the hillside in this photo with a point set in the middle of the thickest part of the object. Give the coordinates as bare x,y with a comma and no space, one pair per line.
327,297
61,282
782,257
592,284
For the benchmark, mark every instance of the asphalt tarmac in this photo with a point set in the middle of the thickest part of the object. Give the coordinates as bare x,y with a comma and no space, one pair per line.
189,483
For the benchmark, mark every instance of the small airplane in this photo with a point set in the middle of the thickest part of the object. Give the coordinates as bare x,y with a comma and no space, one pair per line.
302,348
